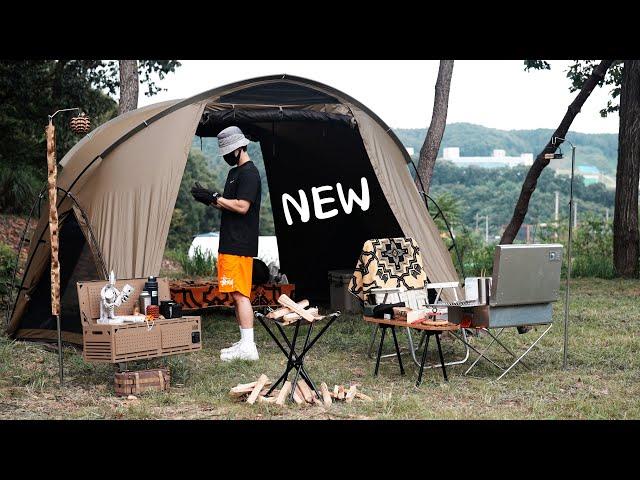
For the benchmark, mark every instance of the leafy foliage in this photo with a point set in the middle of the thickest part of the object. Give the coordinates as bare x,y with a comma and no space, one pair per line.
190,217
30,91
578,73
7,264
493,192
593,249
536,65
105,74
18,188
202,264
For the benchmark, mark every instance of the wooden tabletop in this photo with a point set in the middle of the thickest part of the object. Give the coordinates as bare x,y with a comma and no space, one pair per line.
417,325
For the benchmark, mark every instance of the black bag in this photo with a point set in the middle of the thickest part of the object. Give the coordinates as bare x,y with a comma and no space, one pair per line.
380,310
260,274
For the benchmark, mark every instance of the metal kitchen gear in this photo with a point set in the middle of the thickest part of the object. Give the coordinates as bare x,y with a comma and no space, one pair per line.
525,282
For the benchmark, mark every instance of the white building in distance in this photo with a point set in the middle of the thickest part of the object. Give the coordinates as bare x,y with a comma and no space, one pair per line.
498,158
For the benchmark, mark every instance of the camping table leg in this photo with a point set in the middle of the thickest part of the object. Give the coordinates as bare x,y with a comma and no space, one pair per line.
444,370
424,358
384,331
527,351
373,340
395,341
412,348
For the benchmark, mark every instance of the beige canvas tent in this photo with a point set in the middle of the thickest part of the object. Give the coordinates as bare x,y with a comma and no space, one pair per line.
336,173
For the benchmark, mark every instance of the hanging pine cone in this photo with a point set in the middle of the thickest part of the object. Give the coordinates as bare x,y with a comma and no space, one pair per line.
80,125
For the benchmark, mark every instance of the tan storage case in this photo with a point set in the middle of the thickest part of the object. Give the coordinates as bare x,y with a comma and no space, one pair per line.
135,383
127,342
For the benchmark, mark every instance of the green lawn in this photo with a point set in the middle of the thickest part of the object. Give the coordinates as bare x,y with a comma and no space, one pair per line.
602,382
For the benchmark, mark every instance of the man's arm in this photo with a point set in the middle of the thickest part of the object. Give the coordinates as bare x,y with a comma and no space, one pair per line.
248,185
236,206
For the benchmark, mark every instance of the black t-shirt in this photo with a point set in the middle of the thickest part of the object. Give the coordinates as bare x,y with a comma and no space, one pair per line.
239,233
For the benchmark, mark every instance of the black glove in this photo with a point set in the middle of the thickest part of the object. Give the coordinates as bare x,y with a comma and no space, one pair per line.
204,195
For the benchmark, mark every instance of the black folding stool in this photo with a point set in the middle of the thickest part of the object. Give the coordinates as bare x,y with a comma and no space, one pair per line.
296,360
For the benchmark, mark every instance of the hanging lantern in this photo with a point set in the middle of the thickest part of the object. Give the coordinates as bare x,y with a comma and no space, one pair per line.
80,125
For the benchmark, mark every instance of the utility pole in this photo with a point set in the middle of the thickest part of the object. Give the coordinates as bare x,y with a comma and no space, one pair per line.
477,222
607,215
486,229
557,215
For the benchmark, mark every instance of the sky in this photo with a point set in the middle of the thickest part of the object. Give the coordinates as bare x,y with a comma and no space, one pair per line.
492,93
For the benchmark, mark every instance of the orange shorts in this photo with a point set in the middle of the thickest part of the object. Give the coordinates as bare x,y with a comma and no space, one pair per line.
234,274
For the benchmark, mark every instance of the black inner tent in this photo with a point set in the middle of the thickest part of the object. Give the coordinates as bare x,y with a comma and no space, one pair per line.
304,150
74,268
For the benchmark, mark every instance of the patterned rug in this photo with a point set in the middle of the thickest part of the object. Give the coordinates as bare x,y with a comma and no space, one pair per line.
388,263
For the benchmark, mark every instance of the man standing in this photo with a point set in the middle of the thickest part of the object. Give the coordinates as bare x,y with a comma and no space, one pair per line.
239,227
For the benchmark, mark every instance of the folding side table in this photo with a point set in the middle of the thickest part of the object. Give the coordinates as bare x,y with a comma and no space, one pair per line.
429,330
295,359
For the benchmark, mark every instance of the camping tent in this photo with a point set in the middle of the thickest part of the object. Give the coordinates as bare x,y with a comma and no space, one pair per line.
337,176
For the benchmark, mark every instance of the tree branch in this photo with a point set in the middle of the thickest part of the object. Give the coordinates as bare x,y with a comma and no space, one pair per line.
431,145
531,180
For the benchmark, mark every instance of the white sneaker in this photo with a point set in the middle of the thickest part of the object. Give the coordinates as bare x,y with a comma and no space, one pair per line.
244,351
232,347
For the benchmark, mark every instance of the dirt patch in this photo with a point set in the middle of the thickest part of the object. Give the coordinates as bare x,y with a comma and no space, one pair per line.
11,229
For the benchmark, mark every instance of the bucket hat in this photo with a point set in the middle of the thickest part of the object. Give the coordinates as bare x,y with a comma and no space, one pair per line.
230,139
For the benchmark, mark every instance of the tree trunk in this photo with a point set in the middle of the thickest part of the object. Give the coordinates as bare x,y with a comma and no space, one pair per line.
531,180
431,145
626,239
128,86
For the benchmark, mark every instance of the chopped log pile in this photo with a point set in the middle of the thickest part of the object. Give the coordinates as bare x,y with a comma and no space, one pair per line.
303,395
292,312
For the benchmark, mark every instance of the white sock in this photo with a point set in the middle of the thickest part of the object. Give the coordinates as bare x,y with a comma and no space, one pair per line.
246,335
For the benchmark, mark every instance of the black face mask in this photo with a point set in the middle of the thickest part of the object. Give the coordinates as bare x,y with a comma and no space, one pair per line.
231,159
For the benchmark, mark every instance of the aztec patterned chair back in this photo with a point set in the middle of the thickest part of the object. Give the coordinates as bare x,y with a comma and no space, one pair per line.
388,263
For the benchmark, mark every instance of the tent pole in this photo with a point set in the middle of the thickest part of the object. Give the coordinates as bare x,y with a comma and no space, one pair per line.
53,238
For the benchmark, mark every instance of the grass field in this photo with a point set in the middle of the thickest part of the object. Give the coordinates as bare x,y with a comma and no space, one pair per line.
602,382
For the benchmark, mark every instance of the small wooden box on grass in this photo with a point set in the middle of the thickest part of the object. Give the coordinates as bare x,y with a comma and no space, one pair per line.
104,343
135,383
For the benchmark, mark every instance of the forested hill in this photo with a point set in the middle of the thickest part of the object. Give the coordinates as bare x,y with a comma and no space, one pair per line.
470,191
597,149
